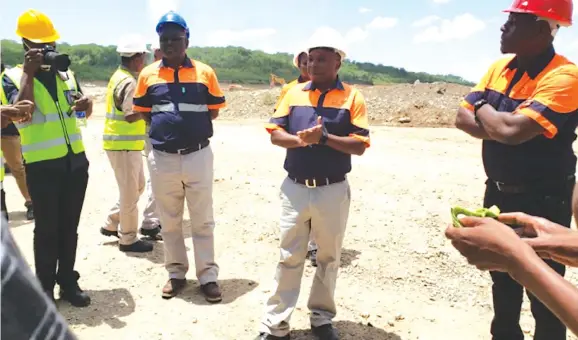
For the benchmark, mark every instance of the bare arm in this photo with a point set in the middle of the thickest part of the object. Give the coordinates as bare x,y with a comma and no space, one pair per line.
286,140
26,91
559,295
348,145
466,122
508,128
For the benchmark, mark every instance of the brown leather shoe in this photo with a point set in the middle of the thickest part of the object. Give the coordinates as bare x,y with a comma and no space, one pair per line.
212,292
173,287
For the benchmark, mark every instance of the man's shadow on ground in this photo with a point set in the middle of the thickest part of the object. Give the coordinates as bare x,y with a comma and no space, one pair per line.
349,330
107,307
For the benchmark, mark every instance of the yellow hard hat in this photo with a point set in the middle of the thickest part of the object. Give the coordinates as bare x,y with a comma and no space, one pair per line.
36,27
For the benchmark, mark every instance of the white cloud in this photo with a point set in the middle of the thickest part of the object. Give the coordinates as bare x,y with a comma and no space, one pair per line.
363,10
458,28
356,34
440,1
426,21
156,8
382,23
240,37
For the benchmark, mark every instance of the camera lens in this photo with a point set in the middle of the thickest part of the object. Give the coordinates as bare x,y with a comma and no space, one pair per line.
61,62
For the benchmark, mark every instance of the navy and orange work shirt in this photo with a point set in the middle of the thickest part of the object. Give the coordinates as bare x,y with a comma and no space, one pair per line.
343,112
547,92
178,102
286,89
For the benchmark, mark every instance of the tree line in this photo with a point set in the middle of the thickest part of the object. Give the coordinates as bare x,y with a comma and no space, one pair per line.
92,62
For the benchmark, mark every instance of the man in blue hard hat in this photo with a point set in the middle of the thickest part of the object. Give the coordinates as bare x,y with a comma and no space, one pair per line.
180,97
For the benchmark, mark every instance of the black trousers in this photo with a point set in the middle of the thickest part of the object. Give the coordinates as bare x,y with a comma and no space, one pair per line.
58,196
554,204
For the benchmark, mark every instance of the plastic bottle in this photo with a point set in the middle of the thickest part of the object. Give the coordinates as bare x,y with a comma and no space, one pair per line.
80,118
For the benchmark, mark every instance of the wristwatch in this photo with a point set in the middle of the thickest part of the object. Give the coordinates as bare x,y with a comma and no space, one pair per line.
478,105
324,135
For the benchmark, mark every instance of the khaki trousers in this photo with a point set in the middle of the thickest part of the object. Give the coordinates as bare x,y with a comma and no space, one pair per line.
129,174
321,212
12,150
176,179
150,215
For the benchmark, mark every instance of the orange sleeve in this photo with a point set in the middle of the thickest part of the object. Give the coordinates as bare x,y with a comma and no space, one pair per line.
553,101
359,119
216,98
141,101
281,95
478,91
280,117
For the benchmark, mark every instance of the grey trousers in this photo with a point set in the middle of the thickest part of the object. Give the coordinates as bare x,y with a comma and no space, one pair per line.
323,213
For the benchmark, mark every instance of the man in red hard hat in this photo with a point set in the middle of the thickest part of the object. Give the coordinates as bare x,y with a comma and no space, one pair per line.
524,110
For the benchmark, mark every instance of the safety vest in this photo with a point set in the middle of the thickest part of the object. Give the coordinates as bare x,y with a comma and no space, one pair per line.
118,133
53,126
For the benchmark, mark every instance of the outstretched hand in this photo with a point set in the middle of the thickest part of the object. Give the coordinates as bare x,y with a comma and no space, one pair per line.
487,243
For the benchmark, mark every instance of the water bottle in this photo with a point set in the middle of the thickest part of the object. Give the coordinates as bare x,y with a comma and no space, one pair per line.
80,118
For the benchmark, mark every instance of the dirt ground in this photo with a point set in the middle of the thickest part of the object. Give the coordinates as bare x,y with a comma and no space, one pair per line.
399,279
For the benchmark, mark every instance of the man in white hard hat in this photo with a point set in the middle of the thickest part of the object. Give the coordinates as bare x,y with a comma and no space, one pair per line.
156,50
321,123
124,140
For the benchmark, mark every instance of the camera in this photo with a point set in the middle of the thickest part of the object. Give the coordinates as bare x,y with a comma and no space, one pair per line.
58,61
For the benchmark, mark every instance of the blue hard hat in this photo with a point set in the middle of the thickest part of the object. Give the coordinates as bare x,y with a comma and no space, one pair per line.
172,17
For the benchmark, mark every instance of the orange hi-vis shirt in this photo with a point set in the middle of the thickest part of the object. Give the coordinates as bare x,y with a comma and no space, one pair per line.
179,102
286,88
547,92
343,112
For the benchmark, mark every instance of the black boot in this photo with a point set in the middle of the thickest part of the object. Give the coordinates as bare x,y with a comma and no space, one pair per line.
71,292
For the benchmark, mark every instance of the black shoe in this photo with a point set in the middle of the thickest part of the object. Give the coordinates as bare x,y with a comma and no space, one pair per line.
265,336
313,257
137,247
325,332
107,232
29,211
73,294
153,234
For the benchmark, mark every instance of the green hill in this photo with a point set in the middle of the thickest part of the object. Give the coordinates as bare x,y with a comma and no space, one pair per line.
93,62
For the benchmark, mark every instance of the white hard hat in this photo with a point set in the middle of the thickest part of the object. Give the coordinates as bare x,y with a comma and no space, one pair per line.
327,38
131,44
296,57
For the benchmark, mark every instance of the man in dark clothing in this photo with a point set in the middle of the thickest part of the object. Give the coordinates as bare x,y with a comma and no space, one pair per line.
524,110
53,151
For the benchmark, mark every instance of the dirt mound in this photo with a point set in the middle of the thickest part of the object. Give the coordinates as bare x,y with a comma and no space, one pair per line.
413,105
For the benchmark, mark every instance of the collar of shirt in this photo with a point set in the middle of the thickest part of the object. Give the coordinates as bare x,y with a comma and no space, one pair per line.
187,62
338,85
122,67
542,60
300,79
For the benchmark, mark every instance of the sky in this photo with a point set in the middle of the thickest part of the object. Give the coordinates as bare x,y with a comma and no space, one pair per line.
458,37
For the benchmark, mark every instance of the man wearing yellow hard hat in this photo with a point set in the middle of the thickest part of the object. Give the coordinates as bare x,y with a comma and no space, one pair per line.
53,151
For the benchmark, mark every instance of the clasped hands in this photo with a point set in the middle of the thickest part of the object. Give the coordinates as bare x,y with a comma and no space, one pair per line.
489,244
20,112
311,135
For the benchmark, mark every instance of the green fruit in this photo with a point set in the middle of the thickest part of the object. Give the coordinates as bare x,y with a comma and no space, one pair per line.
458,212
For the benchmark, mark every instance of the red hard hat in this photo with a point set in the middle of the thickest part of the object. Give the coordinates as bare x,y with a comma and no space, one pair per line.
558,10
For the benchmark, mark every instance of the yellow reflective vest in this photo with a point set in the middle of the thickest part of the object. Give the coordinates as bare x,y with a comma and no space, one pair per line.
2,172
118,133
53,126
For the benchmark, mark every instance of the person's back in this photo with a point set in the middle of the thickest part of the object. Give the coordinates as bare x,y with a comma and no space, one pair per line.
27,313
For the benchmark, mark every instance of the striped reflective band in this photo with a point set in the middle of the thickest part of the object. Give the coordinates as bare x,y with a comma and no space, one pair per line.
170,107
113,116
123,138
50,143
39,118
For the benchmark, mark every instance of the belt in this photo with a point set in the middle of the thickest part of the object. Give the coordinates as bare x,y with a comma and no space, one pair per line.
528,187
317,181
184,151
